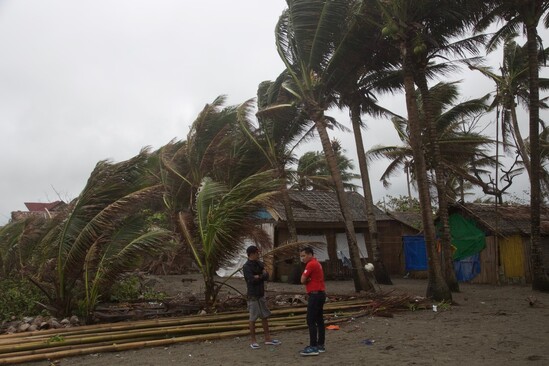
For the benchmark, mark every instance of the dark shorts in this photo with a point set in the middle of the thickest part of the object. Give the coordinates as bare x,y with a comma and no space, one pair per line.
258,309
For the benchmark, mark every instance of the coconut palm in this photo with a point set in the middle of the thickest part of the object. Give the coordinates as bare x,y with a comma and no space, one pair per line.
308,35
313,174
212,188
516,16
279,132
401,23
513,90
224,218
18,239
456,148
100,235
458,143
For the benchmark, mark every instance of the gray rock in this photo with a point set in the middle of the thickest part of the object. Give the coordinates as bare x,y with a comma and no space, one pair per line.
74,320
23,327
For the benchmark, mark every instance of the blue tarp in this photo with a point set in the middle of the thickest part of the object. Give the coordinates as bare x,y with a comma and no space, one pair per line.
414,253
467,268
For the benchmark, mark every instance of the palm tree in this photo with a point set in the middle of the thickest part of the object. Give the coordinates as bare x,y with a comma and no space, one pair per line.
512,90
213,187
402,23
458,142
308,37
455,148
224,218
280,130
18,240
526,15
100,235
313,174
370,69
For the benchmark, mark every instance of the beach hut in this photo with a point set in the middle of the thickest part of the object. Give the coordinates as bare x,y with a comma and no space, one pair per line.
318,218
492,244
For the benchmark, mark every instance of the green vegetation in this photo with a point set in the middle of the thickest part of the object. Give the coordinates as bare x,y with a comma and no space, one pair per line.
19,298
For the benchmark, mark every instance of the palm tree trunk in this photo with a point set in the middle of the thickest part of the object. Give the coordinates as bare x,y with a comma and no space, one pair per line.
520,142
540,280
437,287
380,272
288,207
292,231
434,148
359,276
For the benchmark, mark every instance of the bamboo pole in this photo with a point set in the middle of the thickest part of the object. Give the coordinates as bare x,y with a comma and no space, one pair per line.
132,345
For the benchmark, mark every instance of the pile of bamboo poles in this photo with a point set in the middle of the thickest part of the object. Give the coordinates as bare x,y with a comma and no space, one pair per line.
60,343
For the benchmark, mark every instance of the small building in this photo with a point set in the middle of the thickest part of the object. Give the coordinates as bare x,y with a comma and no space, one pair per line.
318,218
46,210
499,238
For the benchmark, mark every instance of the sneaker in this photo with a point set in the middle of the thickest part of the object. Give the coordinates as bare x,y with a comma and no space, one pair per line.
309,351
321,348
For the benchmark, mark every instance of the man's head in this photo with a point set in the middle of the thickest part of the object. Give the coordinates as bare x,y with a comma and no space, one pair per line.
306,254
253,252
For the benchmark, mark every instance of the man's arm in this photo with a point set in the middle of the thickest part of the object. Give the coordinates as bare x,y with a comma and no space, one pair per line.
305,277
248,274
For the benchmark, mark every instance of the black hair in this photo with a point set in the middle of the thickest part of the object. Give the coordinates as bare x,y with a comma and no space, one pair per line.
308,250
251,249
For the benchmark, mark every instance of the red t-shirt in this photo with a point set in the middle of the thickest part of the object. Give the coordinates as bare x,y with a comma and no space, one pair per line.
313,270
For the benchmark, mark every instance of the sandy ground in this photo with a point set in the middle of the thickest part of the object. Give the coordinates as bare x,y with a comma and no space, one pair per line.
487,325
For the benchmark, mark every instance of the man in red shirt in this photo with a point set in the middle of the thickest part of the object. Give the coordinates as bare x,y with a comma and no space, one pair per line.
313,279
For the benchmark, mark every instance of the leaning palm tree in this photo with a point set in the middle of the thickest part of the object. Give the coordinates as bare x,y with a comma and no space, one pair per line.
101,234
309,34
526,15
401,23
279,132
223,218
212,188
18,240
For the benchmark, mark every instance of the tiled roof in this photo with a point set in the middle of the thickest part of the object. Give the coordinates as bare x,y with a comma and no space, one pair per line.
323,206
511,220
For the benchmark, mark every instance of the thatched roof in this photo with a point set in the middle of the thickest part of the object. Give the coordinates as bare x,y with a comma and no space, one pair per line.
412,219
511,220
322,206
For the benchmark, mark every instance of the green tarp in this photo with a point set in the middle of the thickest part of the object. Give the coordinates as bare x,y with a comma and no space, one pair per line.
467,238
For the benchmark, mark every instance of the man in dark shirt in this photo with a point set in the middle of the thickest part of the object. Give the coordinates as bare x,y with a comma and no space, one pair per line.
255,276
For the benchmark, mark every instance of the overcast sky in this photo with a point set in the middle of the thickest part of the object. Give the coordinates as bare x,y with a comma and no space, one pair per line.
82,81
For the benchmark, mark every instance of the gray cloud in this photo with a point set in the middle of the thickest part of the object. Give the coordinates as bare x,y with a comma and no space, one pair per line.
83,81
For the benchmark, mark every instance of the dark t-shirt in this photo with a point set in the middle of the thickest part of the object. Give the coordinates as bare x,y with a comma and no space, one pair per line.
256,286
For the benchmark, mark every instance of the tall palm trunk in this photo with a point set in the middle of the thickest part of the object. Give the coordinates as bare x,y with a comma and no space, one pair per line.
437,287
288,207
540,281
519,141
380,272
434,148
359,276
